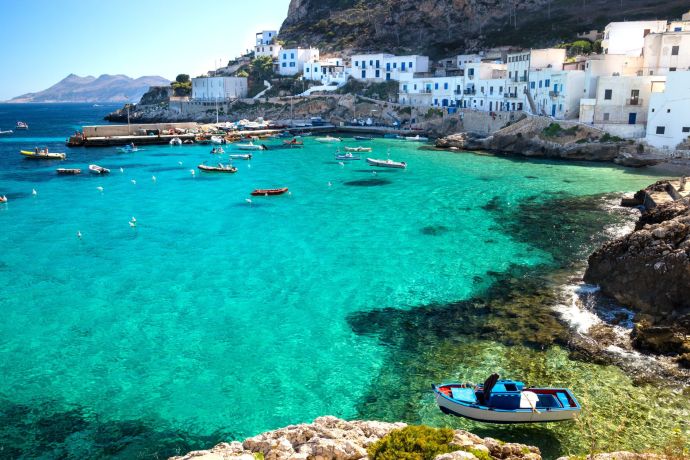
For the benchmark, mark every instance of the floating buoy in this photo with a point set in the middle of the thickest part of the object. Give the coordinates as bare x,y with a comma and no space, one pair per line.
133,222
34,192
342,165
122,170
153,178
78,234
193,172
179,163
99,188
248,201
329,183
133,182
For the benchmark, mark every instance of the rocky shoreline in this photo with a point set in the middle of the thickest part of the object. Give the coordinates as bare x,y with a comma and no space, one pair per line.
541,137
331,438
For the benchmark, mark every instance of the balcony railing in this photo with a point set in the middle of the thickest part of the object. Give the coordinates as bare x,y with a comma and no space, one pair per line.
633,101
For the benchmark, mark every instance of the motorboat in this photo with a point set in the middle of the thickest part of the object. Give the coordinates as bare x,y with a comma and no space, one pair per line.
217,140
393,136
387,163
251,146
9,131
417,138
294,143
241,156
217,151
21,125
328,139
347,157
95,169
506,401
43,154
363,138
175,141
3,199
358,149
269,191
68,171
220,168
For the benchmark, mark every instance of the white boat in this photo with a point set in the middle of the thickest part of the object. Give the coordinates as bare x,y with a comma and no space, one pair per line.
6,132
95,169
21,125
506,401
217,140
417,138
217,151
346,157
328,139
250,146
175,141
241,156
358,149
129,148
387,163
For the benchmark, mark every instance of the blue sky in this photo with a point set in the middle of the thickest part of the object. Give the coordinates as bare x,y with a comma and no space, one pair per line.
46,40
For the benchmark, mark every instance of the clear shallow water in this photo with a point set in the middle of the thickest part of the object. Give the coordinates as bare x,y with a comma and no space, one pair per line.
217,319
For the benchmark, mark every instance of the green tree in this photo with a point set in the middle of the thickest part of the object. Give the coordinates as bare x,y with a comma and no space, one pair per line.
182,78
261,68
580,47
242,73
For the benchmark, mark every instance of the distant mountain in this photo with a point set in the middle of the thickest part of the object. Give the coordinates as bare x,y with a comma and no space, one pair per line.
106,88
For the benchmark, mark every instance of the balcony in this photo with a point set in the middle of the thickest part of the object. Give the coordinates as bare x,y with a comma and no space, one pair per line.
471,77
470,91
509,95
554,94
633,101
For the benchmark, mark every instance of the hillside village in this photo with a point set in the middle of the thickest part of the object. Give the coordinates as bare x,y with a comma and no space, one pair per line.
636,87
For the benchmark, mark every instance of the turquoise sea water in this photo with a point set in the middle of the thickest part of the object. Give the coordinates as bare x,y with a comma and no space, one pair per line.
216,318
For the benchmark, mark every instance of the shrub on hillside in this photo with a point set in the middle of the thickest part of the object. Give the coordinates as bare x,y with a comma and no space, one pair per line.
413,443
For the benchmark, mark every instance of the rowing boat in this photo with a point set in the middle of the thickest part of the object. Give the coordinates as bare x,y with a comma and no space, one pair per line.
269,191
43,155
387,163
220,168
95,169
358,149
68,171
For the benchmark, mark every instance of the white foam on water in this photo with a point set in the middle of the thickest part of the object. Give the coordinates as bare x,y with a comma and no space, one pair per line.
572,311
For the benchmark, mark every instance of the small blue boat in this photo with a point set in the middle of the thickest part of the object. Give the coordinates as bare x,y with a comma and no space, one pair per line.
506,401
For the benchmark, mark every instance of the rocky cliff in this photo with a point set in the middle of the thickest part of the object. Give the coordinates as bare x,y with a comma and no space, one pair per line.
648,271
442,27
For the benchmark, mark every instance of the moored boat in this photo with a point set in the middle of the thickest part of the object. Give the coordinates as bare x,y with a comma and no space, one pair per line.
417,138
217,151
347,157
129,148
358,149
387,163
269,191
251,146
328,139
68,171
294,143
241,156
220,168
21,125
9,131
393,136
95,169
506,401
43,154
3,199
175,141
363,138
217,140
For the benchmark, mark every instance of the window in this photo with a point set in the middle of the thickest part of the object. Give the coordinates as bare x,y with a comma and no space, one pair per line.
607,116
674,50
395,65
292,55
668,110
532,84
371,62
292,64
410,65
547,83
378,63
677,29
660,129
356,63
435,85
540,83
284,64
435,101
404,88
672,69
445,86
284,55
686,129
378,73
607,94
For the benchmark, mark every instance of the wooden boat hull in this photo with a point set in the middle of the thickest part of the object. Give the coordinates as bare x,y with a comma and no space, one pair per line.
269,192
43,156
386,164
481,413
68,171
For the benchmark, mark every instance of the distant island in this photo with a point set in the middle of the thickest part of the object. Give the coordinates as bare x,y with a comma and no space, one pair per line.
106,88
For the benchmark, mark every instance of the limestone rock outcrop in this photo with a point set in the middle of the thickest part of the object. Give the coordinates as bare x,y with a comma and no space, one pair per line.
330,438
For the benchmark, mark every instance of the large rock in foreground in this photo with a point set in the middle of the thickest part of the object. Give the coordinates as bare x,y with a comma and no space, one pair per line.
332,438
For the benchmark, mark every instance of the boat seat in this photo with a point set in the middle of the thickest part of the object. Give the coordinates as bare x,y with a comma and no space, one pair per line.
464,394
547,400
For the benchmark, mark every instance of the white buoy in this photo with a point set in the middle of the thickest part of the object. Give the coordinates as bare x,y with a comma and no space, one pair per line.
374,173
248,201
153,178
78,234
342,165
34,192
134,219
133,182
100,189
192,172
122,170
179,163
133,222
329,183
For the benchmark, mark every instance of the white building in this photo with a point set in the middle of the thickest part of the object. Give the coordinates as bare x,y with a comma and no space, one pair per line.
668,119
628,37
609,65
266,44
325,71
621,104
291,61
383,67
218,88
667,52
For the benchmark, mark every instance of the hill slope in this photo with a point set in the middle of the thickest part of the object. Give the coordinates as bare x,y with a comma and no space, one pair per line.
106,88
442,27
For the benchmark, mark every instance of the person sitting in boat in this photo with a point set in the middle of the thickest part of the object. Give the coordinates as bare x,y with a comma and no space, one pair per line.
35,149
